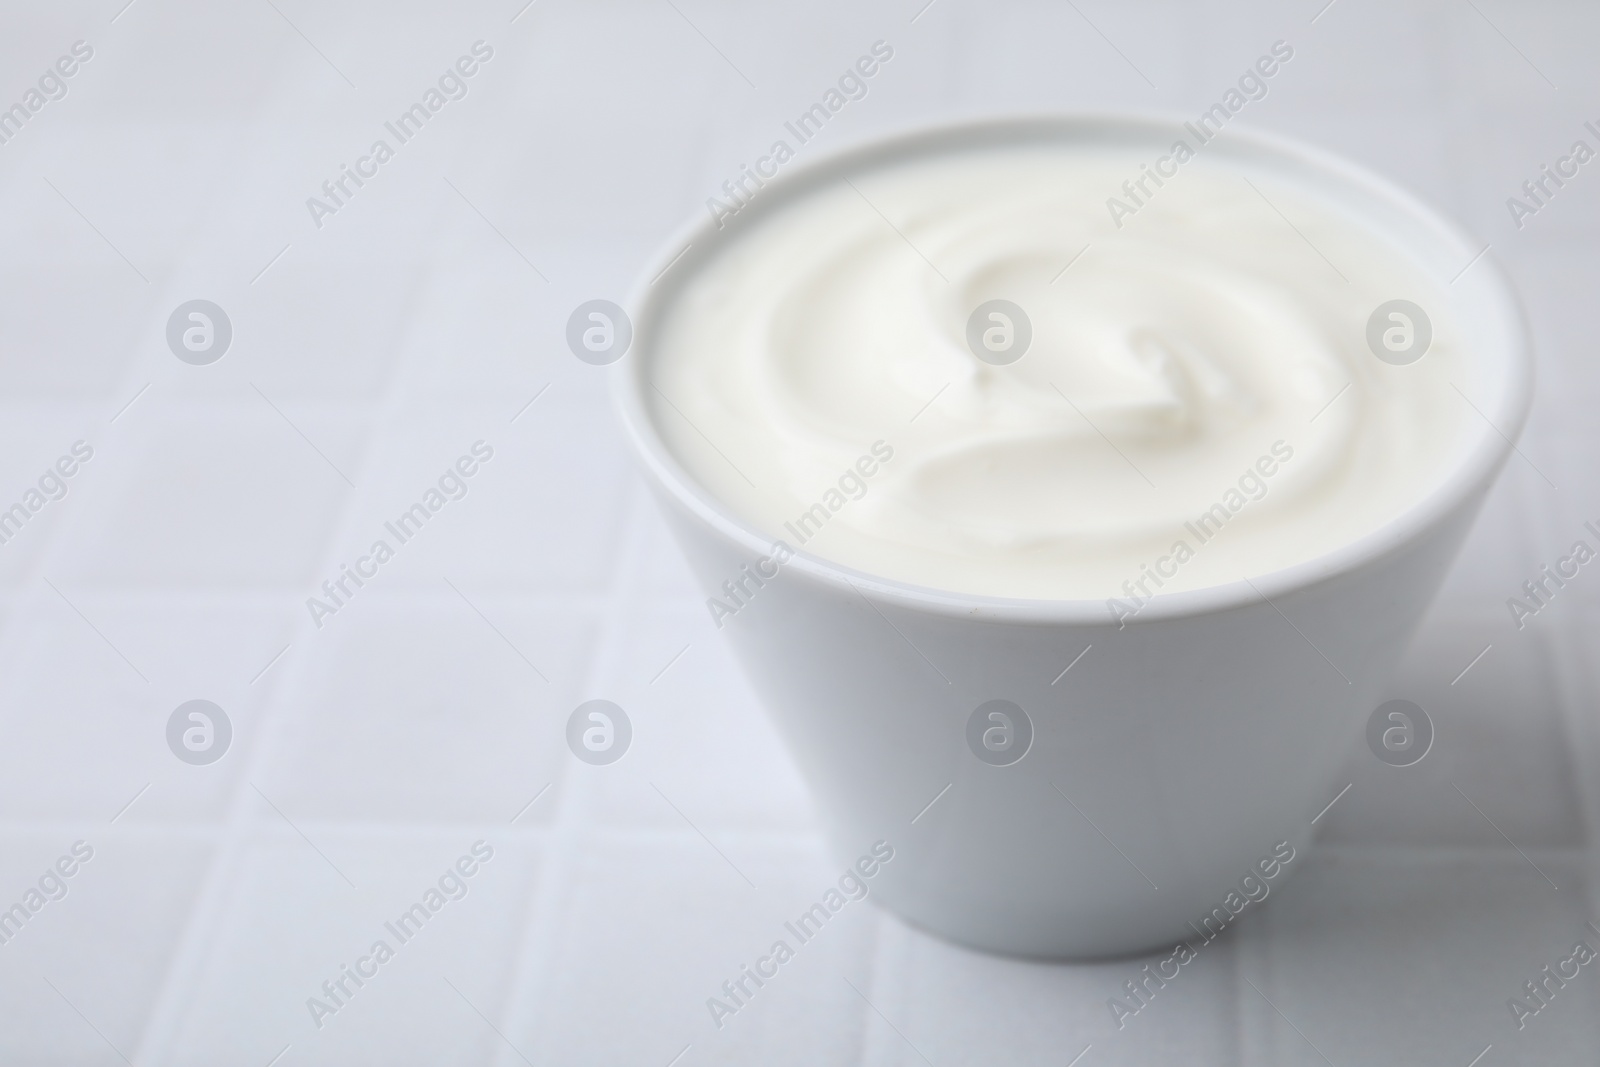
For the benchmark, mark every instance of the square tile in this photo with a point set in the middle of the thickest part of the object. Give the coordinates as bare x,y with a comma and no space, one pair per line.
1413,954
291,924
655,926
212,496
421,710
94,958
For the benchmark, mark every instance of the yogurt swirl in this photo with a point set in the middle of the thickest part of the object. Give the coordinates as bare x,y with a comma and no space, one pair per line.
1224,324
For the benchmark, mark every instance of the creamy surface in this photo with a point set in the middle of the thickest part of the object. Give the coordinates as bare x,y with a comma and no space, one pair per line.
1220,327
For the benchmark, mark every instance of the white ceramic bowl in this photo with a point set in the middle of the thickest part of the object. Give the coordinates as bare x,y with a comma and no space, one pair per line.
1177,754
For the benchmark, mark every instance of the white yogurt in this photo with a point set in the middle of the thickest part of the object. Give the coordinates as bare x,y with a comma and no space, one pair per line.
1208,353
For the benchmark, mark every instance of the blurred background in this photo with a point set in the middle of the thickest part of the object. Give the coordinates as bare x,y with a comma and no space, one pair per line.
348,760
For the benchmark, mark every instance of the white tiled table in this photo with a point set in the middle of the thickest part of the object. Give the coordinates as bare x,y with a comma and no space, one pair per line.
370,753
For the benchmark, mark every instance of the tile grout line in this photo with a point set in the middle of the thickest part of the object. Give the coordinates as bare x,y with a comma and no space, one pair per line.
277,719
530,965
1577,689
1256,1026
100,436
1541,520
886,983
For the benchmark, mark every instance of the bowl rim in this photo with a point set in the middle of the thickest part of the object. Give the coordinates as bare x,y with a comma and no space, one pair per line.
1471,476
